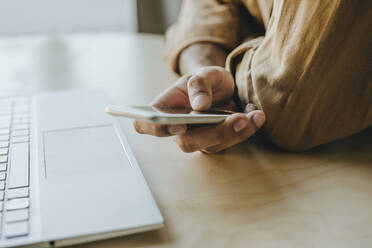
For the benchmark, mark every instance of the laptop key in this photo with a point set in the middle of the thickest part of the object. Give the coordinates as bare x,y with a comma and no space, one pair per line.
20,139
21,109
19,166
5,122
4,151
20,133
3,167
20,116
7,105
2,185
16,215
17,229
2,175
17,121
1,206
20,100
5,111
2,193
21,127
3,158
4,137
6,101
19,203
25,120
4,130
17,193
4,144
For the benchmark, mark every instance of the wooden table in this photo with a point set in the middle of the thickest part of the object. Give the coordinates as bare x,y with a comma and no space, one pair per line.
252,195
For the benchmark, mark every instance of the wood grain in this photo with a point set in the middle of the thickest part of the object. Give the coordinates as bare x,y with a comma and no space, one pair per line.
252,195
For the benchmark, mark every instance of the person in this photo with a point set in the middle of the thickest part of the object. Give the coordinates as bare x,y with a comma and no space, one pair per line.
306,65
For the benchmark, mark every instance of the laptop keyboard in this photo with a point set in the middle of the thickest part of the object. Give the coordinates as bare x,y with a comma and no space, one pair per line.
14,167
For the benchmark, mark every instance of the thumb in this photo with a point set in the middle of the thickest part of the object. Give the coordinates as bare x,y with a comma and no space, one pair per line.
200,93
211,85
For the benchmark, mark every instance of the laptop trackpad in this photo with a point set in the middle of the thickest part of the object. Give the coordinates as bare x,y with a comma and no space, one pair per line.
82,150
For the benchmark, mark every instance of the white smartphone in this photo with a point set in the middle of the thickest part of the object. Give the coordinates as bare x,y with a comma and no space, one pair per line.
169,115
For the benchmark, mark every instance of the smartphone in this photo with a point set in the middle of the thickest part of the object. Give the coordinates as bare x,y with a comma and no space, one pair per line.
167,115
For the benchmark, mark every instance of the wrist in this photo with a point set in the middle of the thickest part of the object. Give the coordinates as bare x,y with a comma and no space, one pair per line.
199,55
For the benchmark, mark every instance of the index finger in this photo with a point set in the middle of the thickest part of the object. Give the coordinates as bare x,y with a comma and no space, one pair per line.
222,135
159,130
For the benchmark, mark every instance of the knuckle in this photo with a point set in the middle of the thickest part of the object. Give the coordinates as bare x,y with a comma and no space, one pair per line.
137,127
211,150
219,73
196,84
160,130
221,136
216,149
186,145
212,69
247,133
183,80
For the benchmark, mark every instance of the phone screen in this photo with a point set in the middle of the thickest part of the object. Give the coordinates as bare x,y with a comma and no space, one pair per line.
167,115
182,110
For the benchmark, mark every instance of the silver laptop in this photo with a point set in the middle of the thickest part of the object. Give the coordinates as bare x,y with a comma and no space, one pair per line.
67,174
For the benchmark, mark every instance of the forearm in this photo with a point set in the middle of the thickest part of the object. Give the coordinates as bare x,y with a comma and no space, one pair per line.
199,55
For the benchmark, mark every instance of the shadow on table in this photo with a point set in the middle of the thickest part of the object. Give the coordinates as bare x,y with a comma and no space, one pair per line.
255,186
356,149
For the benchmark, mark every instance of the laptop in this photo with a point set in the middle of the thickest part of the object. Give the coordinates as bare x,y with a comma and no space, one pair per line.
67,173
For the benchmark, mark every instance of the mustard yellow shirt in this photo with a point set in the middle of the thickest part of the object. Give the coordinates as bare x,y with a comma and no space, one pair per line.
306,63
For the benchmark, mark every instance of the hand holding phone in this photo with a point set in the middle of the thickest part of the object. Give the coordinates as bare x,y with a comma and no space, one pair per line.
169,115
209,88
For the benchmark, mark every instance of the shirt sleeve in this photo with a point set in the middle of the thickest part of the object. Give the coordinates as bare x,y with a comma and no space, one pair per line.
310,73
201,21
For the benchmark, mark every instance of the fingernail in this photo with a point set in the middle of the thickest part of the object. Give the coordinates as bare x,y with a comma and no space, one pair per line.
200,102
176,129
239,125
249,108
258,119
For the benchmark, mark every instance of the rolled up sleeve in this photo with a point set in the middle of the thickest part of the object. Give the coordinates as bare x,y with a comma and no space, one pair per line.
310,73
201,21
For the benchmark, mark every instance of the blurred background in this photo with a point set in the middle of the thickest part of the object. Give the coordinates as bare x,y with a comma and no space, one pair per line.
54,16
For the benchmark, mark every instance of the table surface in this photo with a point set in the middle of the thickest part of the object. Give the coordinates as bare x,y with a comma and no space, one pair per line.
250,195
